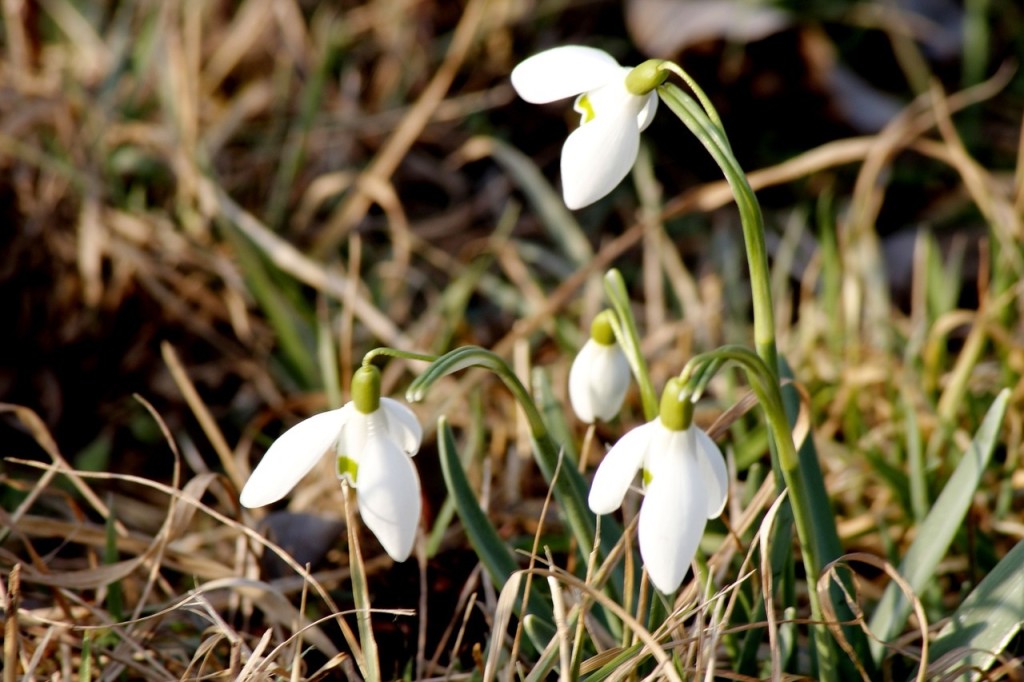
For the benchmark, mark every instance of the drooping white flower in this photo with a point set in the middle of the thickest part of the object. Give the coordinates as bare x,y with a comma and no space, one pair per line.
599,376
373,446
598,154
685,484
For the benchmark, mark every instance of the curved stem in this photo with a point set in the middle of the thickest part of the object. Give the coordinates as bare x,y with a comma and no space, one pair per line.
629,339
712,137
570,488
783,451
769,395
384,351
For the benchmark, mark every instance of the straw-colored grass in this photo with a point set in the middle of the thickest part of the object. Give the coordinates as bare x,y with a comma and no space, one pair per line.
213,210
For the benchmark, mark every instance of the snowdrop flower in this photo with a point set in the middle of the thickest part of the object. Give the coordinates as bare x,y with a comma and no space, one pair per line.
373,439
598,154
599,376
685,483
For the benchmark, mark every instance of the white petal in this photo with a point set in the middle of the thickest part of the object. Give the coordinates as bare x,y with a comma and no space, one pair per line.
598,381
389,495
580,396
599,154
610,381
618,469
713,472
613,95
563,72
646,114
291,456
402,425
672,520
356,434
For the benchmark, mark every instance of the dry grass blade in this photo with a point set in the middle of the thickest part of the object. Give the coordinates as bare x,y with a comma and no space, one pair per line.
666,668
768,590
11,594
31,421
202,414
502,617
829,576
290,260
387,160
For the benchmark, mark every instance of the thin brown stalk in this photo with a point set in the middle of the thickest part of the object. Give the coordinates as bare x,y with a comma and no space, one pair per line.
384,164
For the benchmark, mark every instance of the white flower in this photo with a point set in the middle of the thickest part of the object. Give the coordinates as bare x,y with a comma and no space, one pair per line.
599,376
686,483
373,452
598,154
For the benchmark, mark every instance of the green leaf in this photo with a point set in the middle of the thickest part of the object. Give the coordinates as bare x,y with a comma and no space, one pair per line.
569,486
492,551
629,339
368,659
490,548
988,619
936,532
560,222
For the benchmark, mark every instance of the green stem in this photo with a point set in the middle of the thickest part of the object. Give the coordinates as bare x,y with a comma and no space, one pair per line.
713,139
570,488
384,351
711,134
629,338
769,395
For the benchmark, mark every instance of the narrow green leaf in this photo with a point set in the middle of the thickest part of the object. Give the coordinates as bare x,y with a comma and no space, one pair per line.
629,339
291,327
554,413
367,660
559,220
988,619
115,594
492,551
936,532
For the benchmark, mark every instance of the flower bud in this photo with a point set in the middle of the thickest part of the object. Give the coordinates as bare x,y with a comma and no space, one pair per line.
599,377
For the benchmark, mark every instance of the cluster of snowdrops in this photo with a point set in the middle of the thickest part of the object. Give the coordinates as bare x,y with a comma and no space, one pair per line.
682,471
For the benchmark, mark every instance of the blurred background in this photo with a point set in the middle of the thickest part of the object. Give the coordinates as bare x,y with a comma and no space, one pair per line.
242,198
127,126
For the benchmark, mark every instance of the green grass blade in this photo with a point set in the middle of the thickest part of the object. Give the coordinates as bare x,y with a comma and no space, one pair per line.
492,551
367,660
989,618
488,545
936,533
291,327
115,593
559,220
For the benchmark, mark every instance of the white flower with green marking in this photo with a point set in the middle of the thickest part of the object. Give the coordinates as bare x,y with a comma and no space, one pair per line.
599,376
598,154
373,439
685,484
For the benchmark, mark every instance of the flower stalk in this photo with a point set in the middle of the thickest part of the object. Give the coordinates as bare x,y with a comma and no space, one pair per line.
704,122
